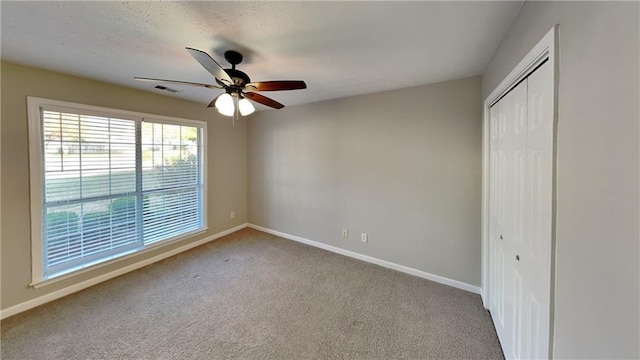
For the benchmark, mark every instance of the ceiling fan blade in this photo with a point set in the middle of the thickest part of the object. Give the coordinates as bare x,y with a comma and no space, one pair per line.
276,85
179,82
211,65
263,100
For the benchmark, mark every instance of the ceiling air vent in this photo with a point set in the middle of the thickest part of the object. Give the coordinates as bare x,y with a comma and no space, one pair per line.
164,88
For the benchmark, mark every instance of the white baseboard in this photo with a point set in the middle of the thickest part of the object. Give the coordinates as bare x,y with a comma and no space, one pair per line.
98,279
405,269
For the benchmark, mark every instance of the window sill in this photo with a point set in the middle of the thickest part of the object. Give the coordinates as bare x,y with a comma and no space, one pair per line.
70,273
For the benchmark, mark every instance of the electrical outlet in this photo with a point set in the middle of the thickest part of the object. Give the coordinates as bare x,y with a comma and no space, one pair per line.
345,233
363,237
232,215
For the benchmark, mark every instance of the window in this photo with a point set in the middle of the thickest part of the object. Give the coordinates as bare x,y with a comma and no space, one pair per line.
106,183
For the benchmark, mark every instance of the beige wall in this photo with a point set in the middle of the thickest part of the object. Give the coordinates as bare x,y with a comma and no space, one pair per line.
403,166
597,273
227,170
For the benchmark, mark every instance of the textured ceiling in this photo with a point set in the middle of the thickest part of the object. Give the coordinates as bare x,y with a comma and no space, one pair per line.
338,48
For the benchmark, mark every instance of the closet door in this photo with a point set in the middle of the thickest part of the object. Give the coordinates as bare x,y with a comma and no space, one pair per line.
508,167
496,218
535,252
520,206
516,207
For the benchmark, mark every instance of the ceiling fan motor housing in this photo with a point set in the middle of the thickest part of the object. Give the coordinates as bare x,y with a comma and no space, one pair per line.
239,78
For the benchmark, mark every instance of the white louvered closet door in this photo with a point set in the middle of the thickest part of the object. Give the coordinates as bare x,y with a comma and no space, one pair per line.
520,203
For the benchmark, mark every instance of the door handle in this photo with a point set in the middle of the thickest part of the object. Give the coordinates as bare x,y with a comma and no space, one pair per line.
518,257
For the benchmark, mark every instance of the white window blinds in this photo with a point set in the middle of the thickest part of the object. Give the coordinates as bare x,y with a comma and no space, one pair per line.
171,181
113,184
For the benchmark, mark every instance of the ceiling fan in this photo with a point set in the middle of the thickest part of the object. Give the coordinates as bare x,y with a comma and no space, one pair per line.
237,85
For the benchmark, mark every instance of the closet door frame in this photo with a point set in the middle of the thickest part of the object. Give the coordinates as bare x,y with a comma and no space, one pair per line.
544,50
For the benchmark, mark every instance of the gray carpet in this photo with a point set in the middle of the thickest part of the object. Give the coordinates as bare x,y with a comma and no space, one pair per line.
251,295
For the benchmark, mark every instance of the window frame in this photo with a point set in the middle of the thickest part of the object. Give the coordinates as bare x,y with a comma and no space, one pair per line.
36,179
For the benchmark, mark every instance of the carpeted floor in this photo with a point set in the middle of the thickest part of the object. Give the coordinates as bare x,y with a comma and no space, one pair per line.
251,295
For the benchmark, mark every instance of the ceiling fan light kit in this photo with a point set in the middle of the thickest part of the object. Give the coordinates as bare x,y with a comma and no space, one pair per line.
234,82
245,107
224,104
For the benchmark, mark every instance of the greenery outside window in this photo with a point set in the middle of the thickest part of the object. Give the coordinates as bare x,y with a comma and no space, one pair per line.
106,183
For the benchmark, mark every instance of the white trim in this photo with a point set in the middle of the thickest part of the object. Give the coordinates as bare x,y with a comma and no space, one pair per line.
10,311
35,189
484,220
204,170
545,49
387,264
